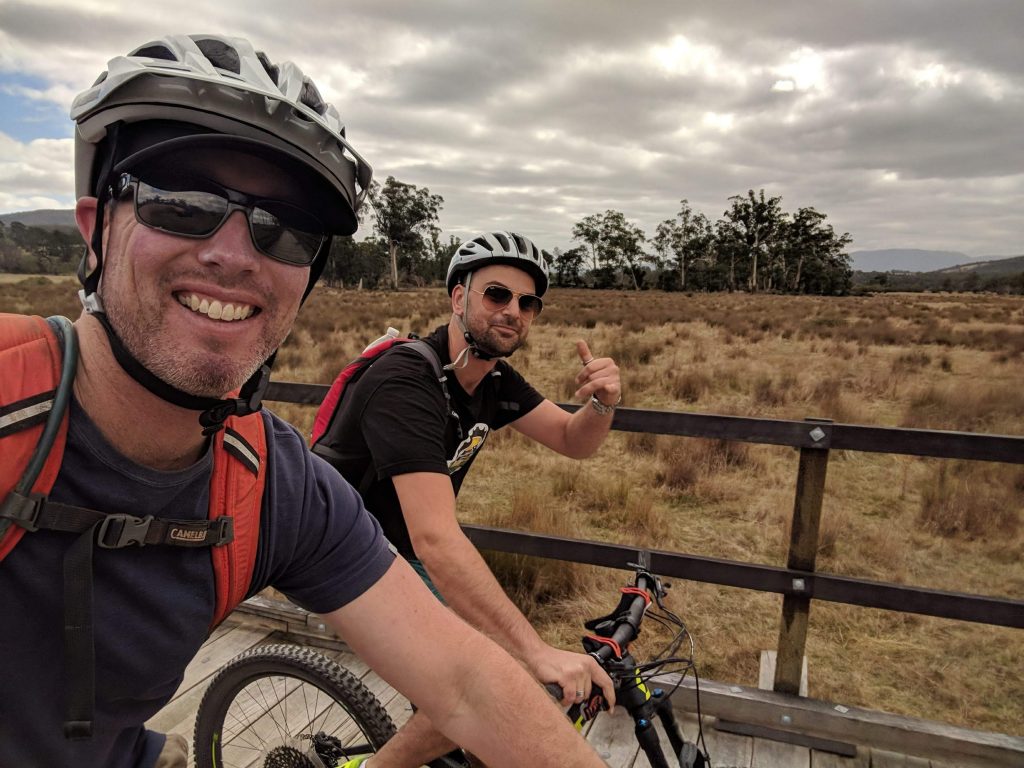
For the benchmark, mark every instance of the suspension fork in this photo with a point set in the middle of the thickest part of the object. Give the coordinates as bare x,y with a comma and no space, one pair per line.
644,704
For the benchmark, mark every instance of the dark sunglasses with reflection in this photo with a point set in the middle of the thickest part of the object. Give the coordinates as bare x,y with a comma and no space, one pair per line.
498,297
280,230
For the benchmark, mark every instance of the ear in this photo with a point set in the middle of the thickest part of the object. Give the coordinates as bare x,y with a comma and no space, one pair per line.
85,217
459,299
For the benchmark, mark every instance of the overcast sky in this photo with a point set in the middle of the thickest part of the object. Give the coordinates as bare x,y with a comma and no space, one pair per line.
902,120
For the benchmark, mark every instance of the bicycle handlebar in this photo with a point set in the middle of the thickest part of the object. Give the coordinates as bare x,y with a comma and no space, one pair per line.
626,627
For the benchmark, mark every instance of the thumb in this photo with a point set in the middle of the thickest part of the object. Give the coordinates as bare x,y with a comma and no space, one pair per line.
583,351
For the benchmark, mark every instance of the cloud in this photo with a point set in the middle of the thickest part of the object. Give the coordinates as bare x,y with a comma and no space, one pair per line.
533,114
36,174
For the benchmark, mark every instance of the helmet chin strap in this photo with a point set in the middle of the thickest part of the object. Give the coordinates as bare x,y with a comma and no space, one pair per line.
462,359
214,411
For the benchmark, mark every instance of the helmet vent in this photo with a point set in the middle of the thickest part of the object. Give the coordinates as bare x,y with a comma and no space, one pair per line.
156,52
482,241
502,240
520,243
271,69
311,97
220,54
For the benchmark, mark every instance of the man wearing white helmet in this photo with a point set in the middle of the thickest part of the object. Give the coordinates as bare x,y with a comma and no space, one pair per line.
407,443
210,183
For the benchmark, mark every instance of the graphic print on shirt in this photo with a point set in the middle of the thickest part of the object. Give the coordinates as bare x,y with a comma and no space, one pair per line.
467,449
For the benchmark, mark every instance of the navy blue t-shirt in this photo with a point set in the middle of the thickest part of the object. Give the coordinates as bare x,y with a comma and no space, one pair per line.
153,605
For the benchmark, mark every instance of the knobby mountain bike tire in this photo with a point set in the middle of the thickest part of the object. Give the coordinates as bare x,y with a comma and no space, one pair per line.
286,706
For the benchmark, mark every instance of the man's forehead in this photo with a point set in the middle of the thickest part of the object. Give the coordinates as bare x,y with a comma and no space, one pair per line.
507,275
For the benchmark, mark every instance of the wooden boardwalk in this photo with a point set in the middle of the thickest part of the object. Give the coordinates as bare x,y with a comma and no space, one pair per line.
611,735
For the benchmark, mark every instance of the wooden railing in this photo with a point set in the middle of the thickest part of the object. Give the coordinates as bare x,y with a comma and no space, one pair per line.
799,582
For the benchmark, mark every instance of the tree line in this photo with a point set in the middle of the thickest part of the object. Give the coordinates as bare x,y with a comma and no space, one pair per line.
754,246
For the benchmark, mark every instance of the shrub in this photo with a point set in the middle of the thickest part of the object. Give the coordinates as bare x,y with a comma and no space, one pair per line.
972,500
689,386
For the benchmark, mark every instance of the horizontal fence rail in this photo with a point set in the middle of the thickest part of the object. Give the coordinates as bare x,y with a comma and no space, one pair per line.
935,443
799,583
763,578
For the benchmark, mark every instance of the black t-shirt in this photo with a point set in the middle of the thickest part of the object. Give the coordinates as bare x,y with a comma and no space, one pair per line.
394,415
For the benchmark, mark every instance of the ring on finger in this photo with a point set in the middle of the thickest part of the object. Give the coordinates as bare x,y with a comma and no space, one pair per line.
588,361
579,694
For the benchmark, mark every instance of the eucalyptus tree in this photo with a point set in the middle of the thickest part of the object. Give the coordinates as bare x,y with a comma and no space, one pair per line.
405,217
750,228
613,244
814,258
569,266
680,241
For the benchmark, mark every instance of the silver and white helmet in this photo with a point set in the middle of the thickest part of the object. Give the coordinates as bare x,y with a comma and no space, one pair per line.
220,85
499,248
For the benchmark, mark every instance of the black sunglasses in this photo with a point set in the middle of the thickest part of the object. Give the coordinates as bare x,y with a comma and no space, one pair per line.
498,296
280,230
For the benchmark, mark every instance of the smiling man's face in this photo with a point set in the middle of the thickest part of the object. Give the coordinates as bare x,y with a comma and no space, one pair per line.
202,314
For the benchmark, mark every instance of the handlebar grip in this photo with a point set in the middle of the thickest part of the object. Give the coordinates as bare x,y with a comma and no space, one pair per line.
555,690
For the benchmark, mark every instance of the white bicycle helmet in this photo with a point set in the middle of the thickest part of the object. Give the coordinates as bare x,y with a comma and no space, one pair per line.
499,248
217,85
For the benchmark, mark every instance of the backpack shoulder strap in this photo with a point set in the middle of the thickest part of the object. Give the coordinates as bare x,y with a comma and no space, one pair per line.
31,358
432,357
236,492
435,363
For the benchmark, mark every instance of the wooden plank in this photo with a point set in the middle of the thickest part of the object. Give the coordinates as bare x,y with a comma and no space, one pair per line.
831,760
881,758
776,754
214,655
997,611
727,748
788,736
850,724
850,437
613,739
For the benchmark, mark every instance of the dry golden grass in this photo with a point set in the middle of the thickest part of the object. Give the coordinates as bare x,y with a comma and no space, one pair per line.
928,361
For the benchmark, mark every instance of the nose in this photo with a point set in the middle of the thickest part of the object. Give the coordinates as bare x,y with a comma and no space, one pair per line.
230,248
512,308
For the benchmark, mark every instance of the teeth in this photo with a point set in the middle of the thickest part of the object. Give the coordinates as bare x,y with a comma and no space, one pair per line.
214,309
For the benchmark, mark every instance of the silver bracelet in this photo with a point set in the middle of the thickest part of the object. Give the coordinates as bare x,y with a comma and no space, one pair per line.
601,408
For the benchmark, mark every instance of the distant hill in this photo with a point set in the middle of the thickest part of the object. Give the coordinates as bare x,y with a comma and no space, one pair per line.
906,260
1004,266
42,218
1002,275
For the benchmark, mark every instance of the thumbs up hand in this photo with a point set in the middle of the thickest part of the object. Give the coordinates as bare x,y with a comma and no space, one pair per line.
599,377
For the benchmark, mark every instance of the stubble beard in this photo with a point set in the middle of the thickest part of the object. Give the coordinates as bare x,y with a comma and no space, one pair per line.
197,369
491,343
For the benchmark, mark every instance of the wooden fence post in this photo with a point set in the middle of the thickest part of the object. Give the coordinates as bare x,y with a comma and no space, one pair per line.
803,551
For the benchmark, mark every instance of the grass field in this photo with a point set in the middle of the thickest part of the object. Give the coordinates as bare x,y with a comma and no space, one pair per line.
943,361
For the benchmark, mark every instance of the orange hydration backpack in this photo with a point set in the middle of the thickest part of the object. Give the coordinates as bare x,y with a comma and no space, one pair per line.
38,359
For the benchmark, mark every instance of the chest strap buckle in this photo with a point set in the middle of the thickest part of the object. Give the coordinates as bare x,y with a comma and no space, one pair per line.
119,531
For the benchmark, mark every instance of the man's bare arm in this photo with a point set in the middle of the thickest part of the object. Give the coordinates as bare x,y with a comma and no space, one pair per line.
463,578
473,691
580,434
